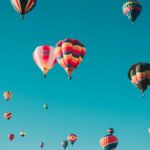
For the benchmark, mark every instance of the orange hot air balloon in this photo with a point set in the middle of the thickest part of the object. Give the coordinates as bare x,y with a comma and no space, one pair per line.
7,95
11,137
69,54
44,58
8,115
72,138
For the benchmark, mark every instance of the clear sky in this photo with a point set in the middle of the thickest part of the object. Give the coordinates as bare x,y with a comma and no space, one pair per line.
99,95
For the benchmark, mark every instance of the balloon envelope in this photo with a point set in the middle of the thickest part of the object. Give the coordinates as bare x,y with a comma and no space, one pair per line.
132,10
72,138
11,137
23,6
69,54
7,95
8,115
44,58
139,75
109,142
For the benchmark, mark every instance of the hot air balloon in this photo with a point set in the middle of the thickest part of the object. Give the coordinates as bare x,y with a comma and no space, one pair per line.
7,95
72,138
42,145
8,115
23,133
64,144
11,137
45,106
132,10
44,58
23,6
69,54
139,74
109,142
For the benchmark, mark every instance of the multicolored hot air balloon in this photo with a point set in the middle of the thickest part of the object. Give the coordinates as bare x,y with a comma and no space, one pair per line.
139,74
7,95
69,54
45,106
72,138
23,133
109,142
42,145
23,6
132,10
64,144
8,115
44,58
11,137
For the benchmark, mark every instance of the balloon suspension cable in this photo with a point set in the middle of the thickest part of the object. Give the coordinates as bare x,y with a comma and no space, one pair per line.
44,75
69,77
22,17
143,95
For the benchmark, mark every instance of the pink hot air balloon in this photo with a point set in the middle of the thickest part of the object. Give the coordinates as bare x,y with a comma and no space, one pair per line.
44,58
11,137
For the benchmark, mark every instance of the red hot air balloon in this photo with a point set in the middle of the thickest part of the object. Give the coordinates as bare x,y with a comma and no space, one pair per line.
72,138
8,115
69,54
109,142
7,95
11,137
44,58
23,6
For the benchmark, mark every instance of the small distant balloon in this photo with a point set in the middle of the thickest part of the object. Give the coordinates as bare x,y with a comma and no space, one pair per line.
11,137
42,145
7,95
72,138
132,10
23,133
8,115
45,106
64,144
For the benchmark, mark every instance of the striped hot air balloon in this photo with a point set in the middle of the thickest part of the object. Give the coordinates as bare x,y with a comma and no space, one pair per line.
44,58
23,6
69,54
72,138
8,115
7,95
109,142
139,74
132,10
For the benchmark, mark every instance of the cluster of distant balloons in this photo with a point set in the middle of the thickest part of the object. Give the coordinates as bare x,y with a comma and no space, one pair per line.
71,138
8,116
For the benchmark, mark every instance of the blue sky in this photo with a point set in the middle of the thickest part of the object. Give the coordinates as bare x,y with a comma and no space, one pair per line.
99,95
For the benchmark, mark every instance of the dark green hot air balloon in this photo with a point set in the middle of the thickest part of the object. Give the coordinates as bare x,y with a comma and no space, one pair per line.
139,74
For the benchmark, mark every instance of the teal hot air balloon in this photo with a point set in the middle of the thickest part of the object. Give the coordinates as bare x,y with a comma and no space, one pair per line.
64,144
132,10
109,142
139,75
